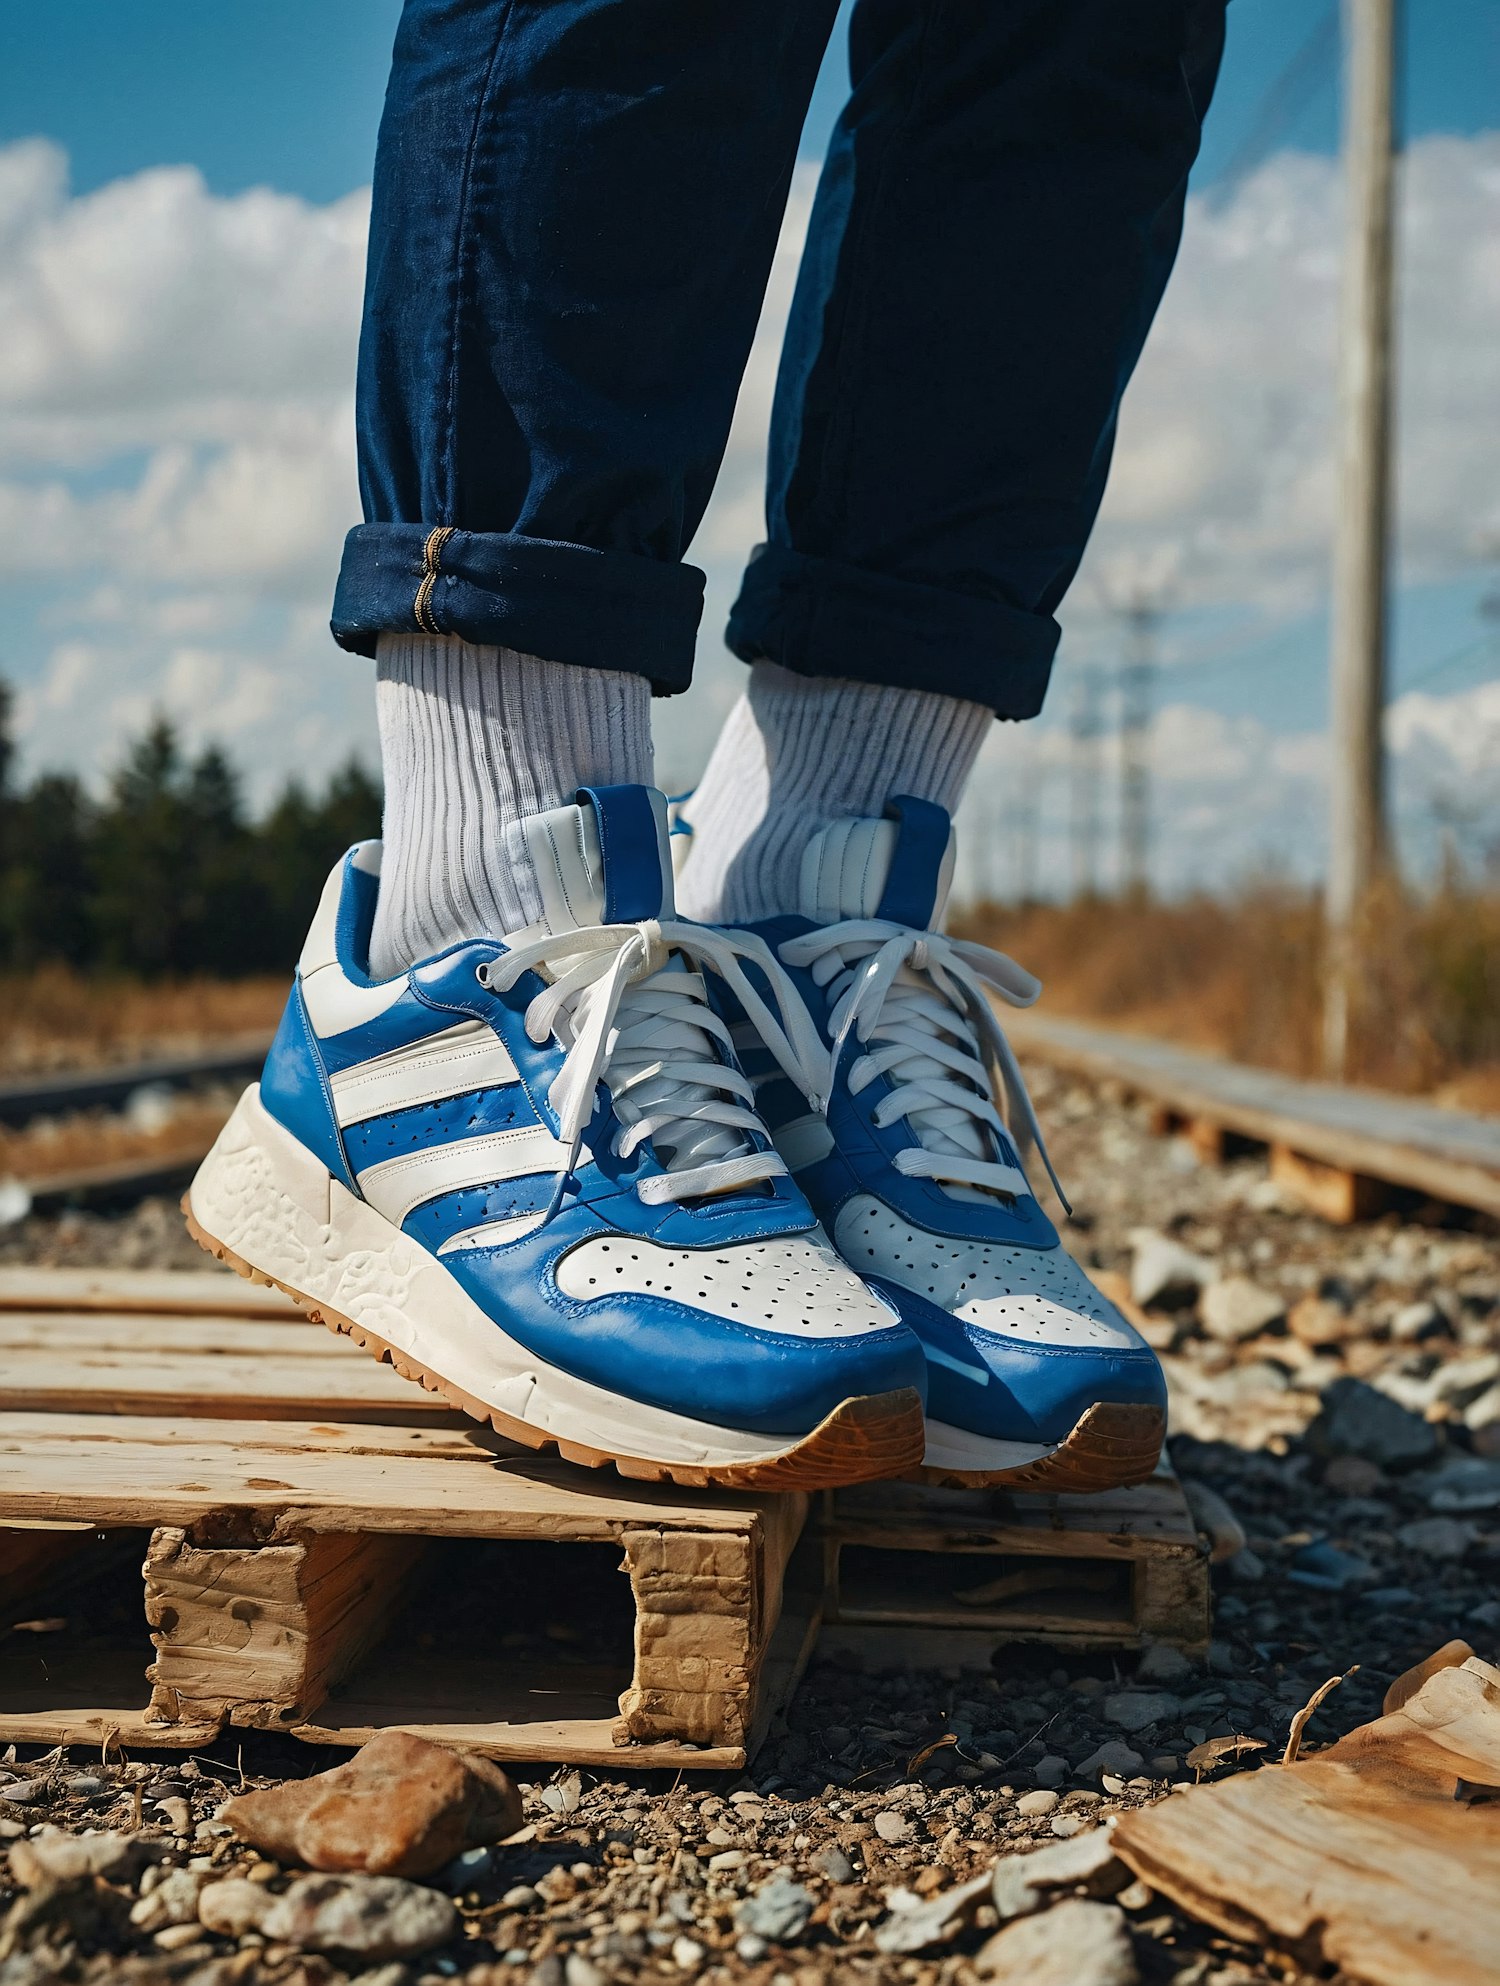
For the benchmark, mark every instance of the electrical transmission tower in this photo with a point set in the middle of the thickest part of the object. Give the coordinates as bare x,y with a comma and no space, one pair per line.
1085,729
1137,696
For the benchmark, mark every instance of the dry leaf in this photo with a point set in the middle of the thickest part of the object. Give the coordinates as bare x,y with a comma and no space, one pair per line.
918,1759
1214,1751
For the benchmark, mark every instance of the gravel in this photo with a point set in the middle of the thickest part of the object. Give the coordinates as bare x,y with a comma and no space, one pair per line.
1371,1534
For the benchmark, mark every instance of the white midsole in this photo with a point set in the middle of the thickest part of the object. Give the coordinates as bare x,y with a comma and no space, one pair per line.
264,1195
951,1447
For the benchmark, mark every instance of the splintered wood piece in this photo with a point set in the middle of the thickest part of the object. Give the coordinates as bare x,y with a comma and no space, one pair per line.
258,1636
1365,1858
1330,1191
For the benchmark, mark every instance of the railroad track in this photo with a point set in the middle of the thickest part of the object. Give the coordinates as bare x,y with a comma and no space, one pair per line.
1346,1152
165,1167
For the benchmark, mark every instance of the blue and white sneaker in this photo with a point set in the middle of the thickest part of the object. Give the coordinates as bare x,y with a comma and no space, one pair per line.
1033,1378
530,1174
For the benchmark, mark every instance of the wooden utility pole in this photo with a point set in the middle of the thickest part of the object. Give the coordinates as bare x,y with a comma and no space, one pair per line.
1357,842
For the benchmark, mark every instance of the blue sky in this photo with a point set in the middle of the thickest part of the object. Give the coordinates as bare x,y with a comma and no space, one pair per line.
287,93
271,94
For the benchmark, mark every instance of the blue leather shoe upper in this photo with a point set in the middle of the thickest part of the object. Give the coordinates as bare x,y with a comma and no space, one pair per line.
427,1096
1019,1344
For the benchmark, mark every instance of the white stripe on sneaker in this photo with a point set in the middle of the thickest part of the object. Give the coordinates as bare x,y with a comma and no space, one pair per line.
394,1186
470,1056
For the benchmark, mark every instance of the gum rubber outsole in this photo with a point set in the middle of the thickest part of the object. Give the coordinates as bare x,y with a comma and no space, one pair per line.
1112,1447
864,1440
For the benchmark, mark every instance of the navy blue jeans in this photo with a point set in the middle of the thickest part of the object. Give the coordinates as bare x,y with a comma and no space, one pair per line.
576,204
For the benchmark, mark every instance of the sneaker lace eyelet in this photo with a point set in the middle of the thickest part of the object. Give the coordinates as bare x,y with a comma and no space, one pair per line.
482,972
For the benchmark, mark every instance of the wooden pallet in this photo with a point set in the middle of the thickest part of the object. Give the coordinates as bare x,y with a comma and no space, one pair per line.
355,1556
1342,1151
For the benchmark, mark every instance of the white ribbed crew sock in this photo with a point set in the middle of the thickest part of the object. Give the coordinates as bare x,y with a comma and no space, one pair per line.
473,739
797,752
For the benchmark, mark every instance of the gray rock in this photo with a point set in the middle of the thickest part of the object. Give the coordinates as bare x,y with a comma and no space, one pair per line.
891,1826
1358,1420
55,1857
1438,1537
1134,1709
778,1911
831,1861
174,1900
233,1906
1050,1770
579,1970
1467,1482
24,1792
751,1948
1065,1826
1086,1863
469,1868
1073,1944
1115,1756
915,1925
1329,1570
1414,1321
1463,1380
1163,1664
1034,1805
1164,1274
1235,1308
372,1917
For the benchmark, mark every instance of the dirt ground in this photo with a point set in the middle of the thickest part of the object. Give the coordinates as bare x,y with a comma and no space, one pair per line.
1368,1541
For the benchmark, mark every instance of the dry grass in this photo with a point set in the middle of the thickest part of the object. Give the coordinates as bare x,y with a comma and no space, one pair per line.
56,1019
1241,978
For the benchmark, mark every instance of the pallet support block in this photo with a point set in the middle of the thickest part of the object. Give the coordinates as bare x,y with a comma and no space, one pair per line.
707,1607
258,1634
1336,1194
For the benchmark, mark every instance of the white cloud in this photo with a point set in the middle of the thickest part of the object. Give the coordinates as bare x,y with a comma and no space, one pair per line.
175,382
1226,447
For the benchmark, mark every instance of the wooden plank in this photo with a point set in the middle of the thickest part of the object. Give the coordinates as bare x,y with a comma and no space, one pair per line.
105,1469
211,1292
1450,1154
294,1384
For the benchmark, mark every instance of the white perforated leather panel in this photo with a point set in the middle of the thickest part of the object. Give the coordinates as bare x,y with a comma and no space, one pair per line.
797,1286
1040,1295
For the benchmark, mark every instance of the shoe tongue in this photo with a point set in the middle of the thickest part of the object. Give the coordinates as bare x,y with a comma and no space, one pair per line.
604,860
899,868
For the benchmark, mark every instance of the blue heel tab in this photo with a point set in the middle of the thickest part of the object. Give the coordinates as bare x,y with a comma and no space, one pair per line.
637,863
923,830
356,916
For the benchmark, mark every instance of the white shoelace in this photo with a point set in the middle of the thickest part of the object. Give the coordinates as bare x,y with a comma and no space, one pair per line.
634,1016
916,1000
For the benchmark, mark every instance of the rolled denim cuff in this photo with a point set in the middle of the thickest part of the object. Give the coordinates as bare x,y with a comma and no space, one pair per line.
565,603
819,618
